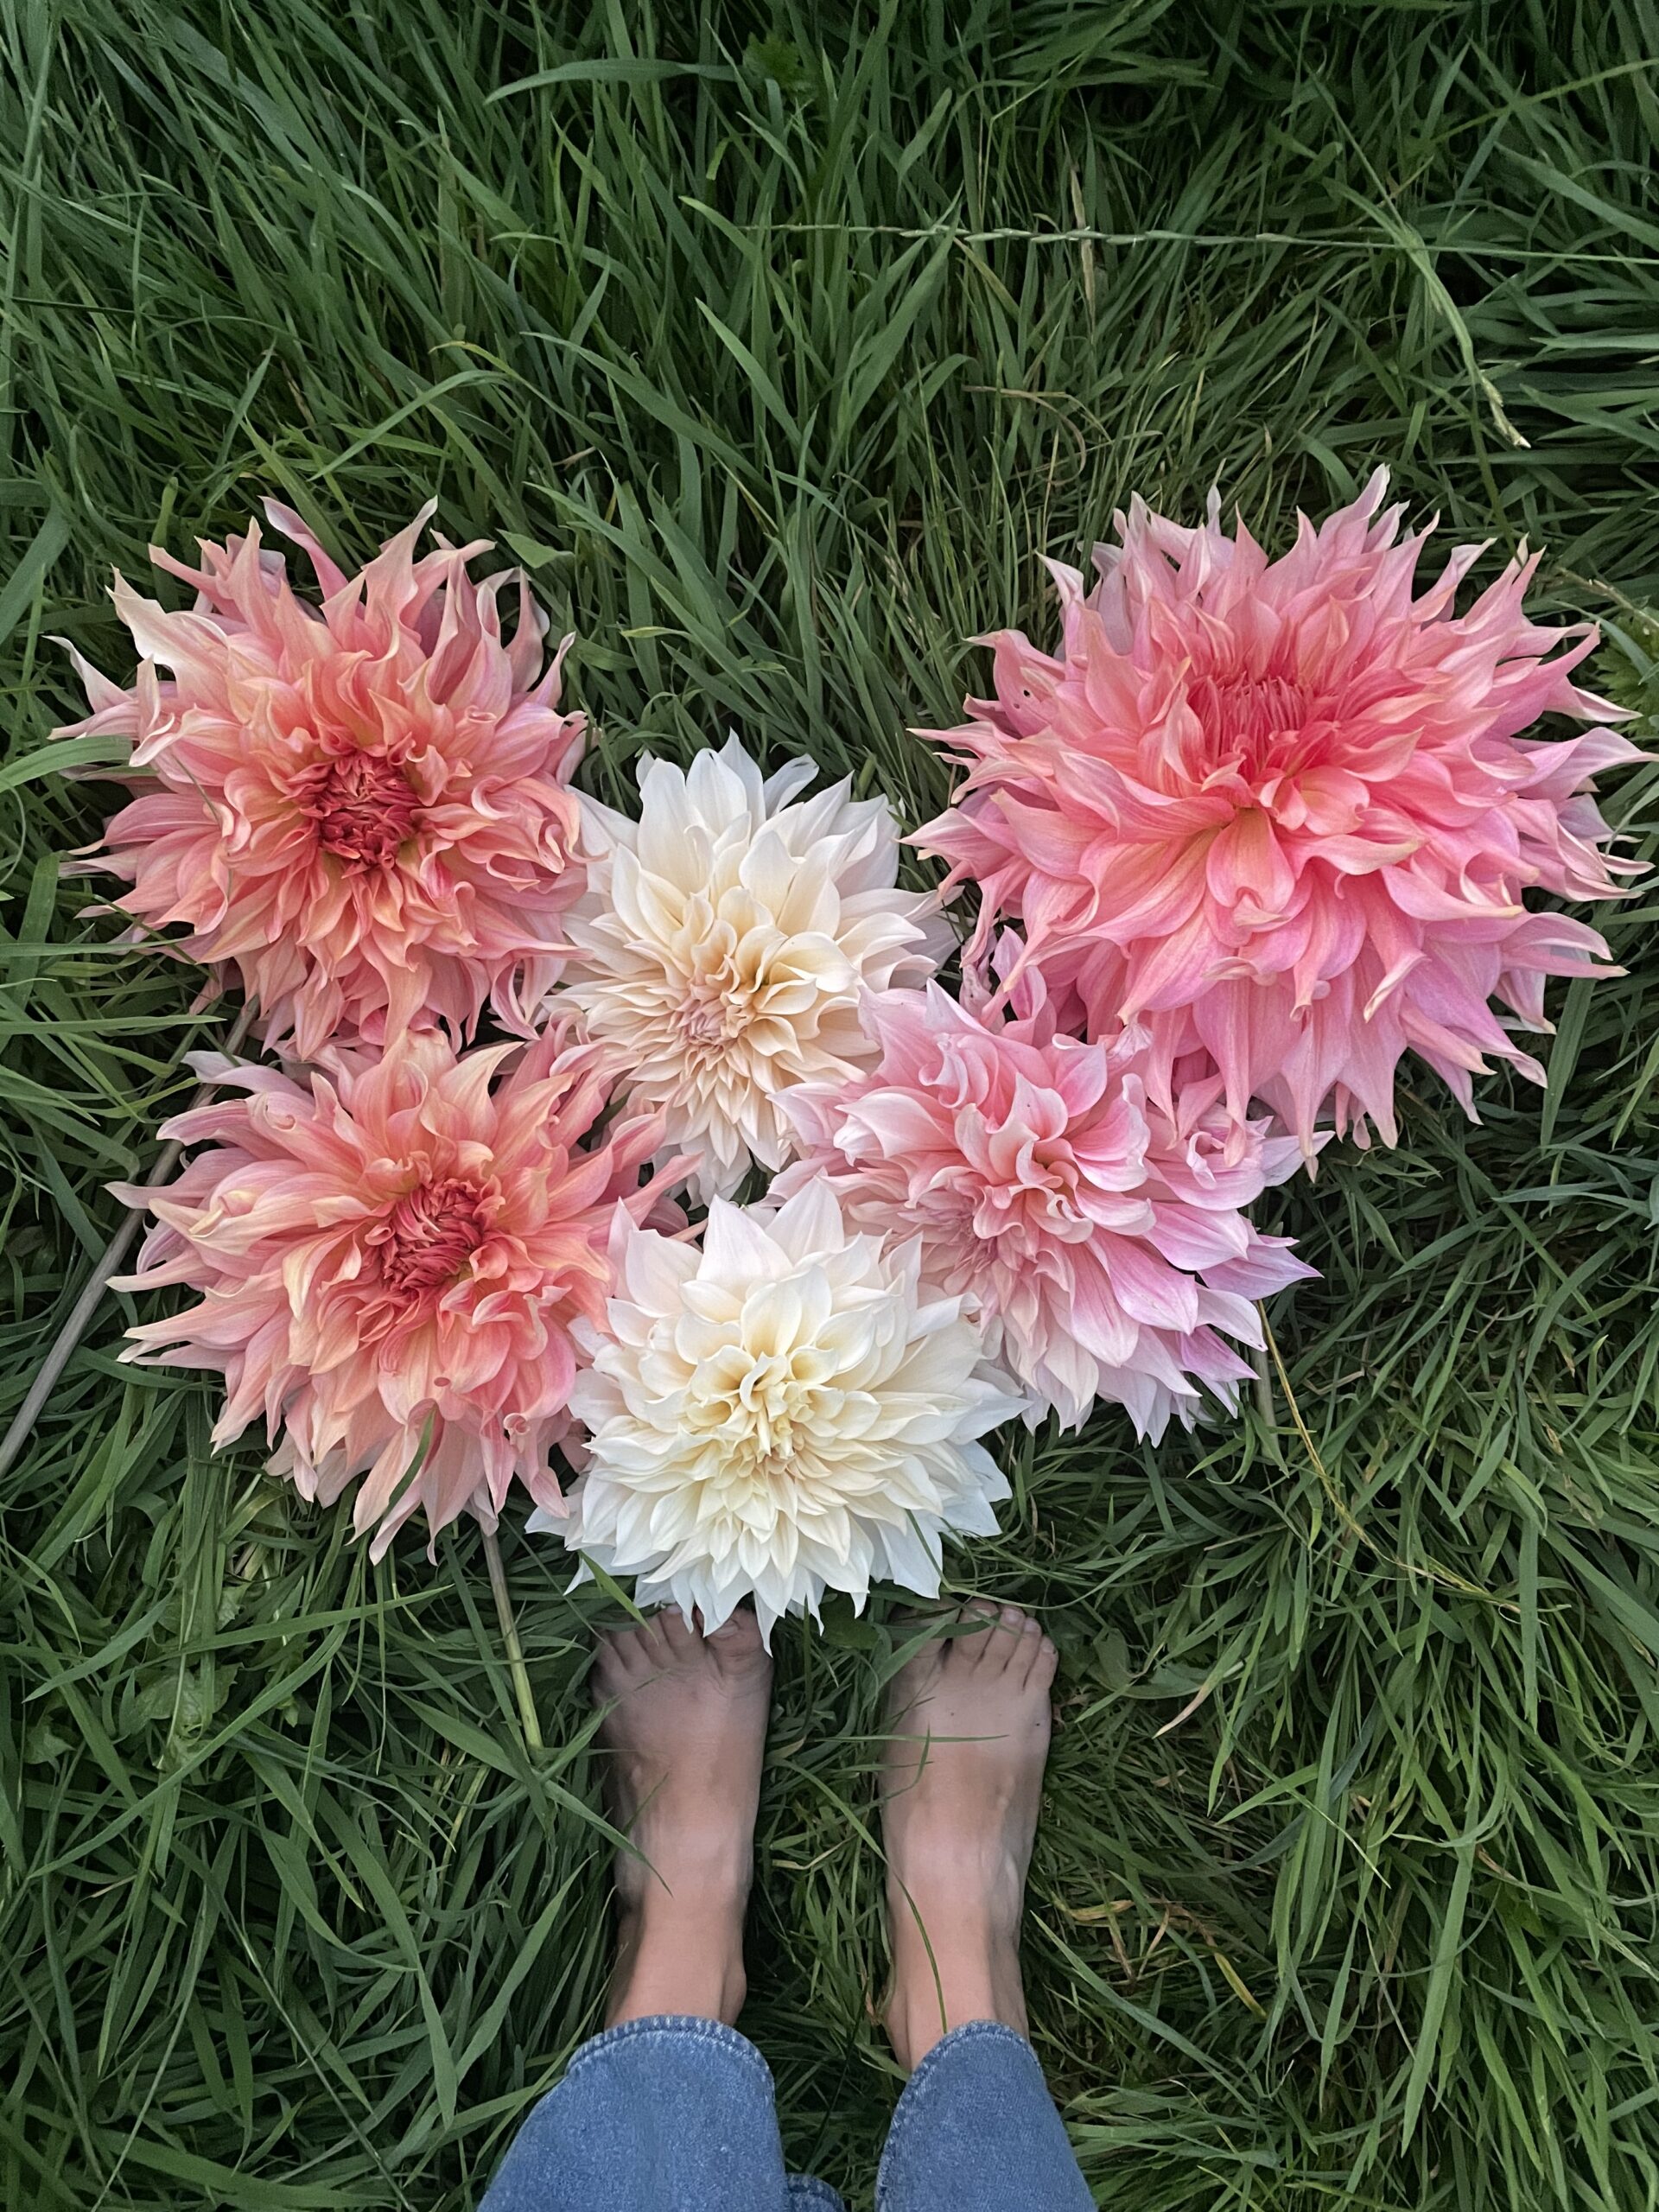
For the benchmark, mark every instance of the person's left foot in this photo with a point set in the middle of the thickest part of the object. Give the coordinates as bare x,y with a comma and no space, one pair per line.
687,1728
962,1781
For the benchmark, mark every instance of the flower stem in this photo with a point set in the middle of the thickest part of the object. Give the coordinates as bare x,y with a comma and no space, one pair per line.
516,1667
1264,1404
108,1263
1266,1407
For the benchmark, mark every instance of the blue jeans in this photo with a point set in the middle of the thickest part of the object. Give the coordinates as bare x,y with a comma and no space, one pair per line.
677,2115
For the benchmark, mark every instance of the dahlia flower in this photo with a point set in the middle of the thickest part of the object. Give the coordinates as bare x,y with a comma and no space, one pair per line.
392,1259
784,1412
723,942
362,808
1102,1243
1282,810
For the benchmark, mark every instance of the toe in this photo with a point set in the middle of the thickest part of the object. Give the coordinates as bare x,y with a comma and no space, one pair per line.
616,1655
739,1626
737,1640
968,1648
1004,1645
657,1646
676,1631
1044,1661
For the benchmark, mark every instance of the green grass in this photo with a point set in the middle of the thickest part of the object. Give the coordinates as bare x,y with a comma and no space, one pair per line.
779,344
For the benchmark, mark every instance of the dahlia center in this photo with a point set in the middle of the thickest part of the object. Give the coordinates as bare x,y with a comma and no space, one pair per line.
429,1235
1250,722
363,807
1052,1171
766,1409
709,1016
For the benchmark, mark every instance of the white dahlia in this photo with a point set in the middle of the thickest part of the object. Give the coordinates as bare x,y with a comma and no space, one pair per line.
783,1412
723,943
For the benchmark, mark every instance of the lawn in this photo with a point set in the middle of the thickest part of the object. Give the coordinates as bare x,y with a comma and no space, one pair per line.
780,344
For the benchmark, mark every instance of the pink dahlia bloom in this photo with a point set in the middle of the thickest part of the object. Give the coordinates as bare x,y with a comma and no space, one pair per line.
1103,1240
362,807
1282,809
390,1258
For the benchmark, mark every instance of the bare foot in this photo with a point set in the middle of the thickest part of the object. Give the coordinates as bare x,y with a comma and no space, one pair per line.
687,1728
958,1817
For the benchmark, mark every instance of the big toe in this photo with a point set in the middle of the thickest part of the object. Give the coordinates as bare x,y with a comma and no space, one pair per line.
990,1642
737,1643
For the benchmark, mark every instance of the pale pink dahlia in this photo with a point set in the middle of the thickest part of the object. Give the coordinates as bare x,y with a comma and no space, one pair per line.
1281,809
362,807
1103,1241
389,1263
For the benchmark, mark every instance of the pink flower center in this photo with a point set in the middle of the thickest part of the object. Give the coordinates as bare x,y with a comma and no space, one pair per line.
429,1236
1250,722
363,807
1034,1199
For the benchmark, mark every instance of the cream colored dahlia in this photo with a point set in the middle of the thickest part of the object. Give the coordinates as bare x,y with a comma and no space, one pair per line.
724,941
786,1411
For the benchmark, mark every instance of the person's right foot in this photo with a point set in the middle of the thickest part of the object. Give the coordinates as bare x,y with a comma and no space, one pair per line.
969,1725
686,1728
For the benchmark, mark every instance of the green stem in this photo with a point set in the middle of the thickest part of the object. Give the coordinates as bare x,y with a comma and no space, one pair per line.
1266,1406
516,1667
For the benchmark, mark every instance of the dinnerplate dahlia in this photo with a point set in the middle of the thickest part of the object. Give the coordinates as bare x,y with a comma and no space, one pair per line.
786,1411
723,943
360,807
1102,1241
392,1259
1282,810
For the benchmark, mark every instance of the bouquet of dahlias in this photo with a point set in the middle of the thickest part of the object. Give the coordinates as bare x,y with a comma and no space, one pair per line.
750,1221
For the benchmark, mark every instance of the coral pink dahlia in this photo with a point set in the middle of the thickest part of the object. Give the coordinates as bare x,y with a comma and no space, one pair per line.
362,807
390,1258
1282,809
1103,1242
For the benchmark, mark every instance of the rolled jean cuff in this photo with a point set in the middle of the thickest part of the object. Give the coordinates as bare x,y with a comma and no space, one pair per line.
674,2024
976,2130
807,2191
672,2110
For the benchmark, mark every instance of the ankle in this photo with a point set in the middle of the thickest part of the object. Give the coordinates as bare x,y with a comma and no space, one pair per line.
918,2019
680,1956
955,1968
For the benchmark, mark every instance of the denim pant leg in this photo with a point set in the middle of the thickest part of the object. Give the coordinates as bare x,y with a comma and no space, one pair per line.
976,2130
659,2115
